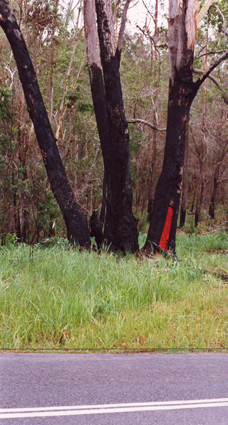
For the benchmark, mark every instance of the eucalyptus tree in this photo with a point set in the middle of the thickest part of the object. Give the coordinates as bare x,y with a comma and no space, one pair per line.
76,223
183,20
103,54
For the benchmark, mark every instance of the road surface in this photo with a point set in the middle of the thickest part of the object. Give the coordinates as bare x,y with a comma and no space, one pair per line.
113,389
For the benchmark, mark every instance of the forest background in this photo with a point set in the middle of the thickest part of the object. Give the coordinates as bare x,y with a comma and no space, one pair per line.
54,34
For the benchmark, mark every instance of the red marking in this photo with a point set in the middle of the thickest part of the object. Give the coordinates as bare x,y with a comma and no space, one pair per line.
164,241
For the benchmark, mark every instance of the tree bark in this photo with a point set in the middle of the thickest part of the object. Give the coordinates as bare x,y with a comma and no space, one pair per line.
181,95
152,174
76,223
169,185
199,199
182,91
155,121
214,192
120,225
185,184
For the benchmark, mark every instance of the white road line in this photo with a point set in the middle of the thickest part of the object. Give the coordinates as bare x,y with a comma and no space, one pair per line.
110,408
100,406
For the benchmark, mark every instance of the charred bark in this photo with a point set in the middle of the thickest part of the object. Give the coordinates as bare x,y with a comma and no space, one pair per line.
169,185
185,184
120,225
76,223
103,205
182,90
214,193
152,174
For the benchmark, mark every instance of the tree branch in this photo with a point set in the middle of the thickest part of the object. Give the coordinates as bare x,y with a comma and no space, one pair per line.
209,52
115,10
224,24
148,11
203,11
200,71
151,38
206,73
138,120
123,24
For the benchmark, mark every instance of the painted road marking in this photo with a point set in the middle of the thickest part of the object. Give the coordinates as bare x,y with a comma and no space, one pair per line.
110,408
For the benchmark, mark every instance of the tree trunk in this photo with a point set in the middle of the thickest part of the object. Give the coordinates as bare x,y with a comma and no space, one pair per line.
152,176
199,200
120,225
200,179
214,192
181,95
103,205
169,185
194,195
185,184
76,223
182,90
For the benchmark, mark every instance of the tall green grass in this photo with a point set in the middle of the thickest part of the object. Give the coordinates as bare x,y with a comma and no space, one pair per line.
57,297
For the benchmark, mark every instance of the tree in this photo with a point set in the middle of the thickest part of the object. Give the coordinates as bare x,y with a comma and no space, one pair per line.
182,91
76,223
120,225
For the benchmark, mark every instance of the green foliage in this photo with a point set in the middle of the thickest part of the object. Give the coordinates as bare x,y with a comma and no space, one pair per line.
10,241
214,17
5,101
86,107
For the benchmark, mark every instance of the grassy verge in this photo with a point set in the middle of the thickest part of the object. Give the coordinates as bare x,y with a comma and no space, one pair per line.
56,297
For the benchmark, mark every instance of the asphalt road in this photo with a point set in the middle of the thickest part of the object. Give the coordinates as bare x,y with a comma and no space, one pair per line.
113,389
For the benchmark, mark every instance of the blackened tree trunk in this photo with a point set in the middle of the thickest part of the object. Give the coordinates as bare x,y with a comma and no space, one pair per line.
152,174
214,192
169,185
185,184
182,90
103,205
120,225
76,223
154,66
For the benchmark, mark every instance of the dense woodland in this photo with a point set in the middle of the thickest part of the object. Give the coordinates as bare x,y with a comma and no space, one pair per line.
54,35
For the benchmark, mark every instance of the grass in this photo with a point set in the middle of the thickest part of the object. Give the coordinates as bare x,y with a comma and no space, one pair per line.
55,297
